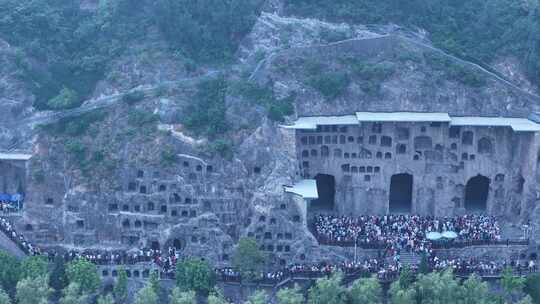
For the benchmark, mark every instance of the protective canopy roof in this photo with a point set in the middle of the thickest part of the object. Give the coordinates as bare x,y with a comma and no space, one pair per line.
516,124
402,117
10,197
15,156
306,188
311,123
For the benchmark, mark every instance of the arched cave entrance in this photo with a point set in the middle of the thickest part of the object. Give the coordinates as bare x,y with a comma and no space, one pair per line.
326,186
155,245
476,193
178,244
401,187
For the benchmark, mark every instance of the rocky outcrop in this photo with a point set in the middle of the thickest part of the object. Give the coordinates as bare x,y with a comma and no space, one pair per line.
124,195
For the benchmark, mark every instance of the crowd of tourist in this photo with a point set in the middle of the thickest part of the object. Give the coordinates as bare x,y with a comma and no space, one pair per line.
385,229
8,206
402,232
17,238
480,267
165,260
384,270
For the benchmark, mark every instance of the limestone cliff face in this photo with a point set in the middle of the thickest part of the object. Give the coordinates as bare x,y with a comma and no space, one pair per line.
125,196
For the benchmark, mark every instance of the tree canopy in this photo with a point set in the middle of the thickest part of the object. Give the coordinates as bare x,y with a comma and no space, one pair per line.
248,259
476,30
195,274
85,274
9,272
33,290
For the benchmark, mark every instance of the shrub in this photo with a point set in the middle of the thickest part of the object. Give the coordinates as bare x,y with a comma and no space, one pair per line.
139,118
206,115
456,71
207,34
76,150
330,36
331,85
222,147
281,108
75,126
133,97
276,109
66,99
168,157
373,71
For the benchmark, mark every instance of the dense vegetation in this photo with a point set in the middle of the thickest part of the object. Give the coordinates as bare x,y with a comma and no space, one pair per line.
476,30
35,280
207,30
64,51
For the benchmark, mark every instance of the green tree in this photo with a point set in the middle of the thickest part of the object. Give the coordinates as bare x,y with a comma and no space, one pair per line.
438,288
85,274
73,295
290,296
512,285
424,266
406,277
4,298
532,287
33,291
207,35
180,297
366,291
9,272
402,295
58,278
259,297
108,299
120,290
330,85
474,291
34,266
67,99
248,259
154,282
217,298
328,291
195,274
206,115
146,295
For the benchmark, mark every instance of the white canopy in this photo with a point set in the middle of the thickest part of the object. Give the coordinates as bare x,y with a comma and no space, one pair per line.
433,236
517,124
311,123
306,188
15,156
449,235
402,117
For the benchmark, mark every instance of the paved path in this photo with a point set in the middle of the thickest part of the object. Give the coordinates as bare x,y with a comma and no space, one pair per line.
7,245
268,59
47,117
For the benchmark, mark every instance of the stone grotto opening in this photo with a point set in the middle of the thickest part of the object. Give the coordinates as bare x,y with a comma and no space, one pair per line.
476,193
326,186
401,187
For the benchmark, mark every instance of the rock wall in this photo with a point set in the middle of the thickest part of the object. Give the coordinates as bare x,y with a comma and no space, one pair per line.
441,161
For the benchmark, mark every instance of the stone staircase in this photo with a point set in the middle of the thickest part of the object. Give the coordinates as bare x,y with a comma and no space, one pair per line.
6,244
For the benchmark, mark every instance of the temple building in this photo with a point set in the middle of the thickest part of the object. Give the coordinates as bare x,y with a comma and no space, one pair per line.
422,163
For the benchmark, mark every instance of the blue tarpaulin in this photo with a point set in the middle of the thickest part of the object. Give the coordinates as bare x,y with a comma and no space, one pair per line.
10,198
